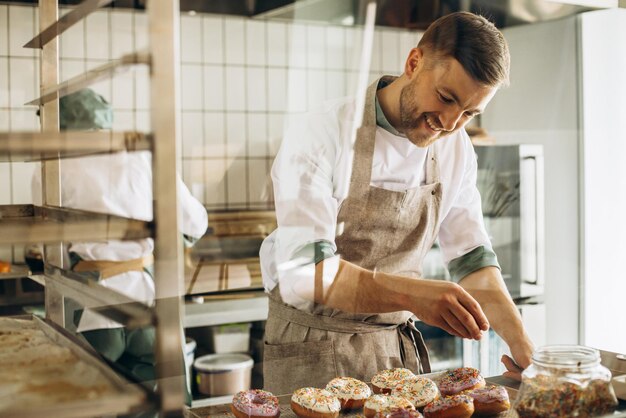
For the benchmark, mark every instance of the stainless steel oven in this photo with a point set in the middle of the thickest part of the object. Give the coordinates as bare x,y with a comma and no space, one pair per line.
510,180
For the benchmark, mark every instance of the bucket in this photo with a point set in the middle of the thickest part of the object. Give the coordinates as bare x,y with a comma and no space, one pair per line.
223,374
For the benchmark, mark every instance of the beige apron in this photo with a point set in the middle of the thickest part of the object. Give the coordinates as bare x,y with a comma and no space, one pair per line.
384,231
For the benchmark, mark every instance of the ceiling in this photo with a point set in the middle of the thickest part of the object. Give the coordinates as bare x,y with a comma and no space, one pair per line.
412,14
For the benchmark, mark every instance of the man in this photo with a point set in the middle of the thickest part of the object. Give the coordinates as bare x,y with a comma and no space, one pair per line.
118,184
412,180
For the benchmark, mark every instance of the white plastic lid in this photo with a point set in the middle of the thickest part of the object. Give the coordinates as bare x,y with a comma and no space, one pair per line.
222,362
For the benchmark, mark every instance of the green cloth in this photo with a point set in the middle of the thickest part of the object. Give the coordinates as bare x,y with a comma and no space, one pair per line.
474,260
84,110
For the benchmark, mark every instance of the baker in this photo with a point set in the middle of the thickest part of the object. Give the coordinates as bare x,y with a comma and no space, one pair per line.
343,268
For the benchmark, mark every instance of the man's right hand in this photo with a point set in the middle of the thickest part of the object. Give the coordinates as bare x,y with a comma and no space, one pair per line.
448,306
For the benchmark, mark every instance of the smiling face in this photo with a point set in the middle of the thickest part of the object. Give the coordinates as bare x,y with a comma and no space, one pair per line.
439,99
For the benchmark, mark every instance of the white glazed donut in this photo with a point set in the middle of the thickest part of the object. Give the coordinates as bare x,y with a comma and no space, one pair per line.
384,381
417,389
315,403
384,403
352,393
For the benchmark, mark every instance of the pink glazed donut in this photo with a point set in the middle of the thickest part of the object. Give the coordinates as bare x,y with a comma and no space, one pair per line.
255,403
458,380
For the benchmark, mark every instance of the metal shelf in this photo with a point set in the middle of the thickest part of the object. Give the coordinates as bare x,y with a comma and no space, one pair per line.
24,224
38,146
84,289
66,22
17,272
92,76
228,308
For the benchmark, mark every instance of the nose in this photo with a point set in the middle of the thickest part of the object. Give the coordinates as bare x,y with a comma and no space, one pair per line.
450,118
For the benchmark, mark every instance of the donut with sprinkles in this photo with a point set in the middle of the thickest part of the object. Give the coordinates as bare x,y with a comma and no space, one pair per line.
315,403
457,406
255,403
352,393
458,380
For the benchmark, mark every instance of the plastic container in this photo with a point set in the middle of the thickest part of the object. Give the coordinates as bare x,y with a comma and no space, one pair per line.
565,381
190,349
223,374
230,338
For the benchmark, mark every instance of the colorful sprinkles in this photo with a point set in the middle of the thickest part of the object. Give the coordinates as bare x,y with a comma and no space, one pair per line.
460,379
318,400
256,402
348,388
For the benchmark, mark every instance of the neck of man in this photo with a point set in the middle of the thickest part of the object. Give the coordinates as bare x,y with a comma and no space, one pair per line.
389,100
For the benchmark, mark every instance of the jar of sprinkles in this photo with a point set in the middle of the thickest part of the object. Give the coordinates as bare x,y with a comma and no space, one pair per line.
565,381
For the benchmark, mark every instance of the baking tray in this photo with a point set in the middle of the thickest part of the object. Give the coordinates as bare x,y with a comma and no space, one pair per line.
124,397
18,271
286,412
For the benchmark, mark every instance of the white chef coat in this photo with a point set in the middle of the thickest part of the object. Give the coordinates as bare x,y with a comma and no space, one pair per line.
309,186
119,184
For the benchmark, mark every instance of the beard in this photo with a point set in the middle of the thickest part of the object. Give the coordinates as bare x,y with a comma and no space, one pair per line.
414,126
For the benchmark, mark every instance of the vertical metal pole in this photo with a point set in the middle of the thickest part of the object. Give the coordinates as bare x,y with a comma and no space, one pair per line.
51,169
164,40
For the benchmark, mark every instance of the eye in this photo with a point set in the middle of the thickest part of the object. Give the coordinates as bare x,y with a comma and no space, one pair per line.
445,99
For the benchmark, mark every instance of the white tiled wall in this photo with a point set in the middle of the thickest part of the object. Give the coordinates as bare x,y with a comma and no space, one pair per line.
239,79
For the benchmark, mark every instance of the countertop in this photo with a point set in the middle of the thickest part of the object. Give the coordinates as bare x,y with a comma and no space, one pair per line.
612,361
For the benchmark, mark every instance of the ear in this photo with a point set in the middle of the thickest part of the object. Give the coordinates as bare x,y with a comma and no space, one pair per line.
413,61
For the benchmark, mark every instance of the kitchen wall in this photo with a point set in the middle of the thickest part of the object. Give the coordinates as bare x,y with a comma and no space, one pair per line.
240,79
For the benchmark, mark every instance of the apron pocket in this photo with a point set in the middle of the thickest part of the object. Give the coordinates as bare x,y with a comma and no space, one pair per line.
287,367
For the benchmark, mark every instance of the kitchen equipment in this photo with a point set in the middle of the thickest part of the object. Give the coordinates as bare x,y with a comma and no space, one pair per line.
565,381
223,374
510,181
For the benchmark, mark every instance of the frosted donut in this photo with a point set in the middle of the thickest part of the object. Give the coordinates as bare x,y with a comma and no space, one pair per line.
417,389
458,380
352,393
489,400
457,406
384,403
399,413
255,403
385,381
315,403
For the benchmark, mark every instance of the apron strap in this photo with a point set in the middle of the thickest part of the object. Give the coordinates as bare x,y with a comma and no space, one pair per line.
108,268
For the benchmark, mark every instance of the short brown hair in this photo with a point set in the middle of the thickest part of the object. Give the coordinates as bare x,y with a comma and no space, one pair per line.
474,42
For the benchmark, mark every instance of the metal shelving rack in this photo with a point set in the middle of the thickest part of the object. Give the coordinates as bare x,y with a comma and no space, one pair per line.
55,225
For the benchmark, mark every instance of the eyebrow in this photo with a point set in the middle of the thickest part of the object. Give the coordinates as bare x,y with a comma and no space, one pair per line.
474,112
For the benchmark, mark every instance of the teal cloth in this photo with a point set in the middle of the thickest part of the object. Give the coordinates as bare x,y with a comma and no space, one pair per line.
84,110
474,260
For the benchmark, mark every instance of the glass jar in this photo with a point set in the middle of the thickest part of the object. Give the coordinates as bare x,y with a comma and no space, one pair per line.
565,381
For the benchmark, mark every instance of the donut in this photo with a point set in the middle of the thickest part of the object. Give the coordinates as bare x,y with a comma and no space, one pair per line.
384,403
255,403
417,389
399,413
457,406
489,400
385,381
315,403
458,380
352,393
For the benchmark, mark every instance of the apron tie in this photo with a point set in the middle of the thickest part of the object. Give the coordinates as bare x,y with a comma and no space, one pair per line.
411,340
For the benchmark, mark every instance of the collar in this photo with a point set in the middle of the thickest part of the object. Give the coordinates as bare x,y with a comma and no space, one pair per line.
381,119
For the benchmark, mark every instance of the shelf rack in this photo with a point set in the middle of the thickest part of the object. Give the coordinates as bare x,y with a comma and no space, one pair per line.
56,226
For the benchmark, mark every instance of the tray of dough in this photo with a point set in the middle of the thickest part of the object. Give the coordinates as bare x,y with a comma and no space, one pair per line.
43,373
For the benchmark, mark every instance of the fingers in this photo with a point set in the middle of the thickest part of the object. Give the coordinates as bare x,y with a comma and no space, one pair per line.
513,375
444,325
474,309
459,329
